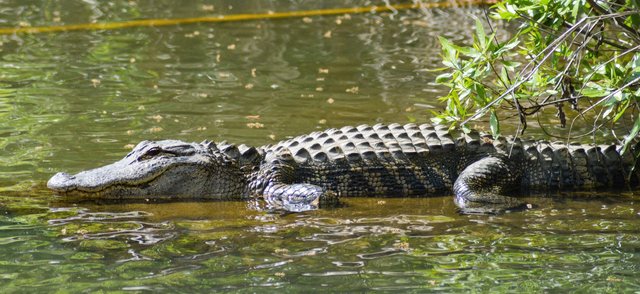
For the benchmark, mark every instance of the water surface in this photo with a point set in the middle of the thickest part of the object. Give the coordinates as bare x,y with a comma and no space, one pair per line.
75,100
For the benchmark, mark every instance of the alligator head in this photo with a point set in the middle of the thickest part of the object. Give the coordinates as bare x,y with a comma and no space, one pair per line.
158,170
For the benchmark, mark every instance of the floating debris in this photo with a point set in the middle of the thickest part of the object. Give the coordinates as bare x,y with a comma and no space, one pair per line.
323,70
353,90
327,34
56,16
255,125
208,8
155,129
330,100
193,34
156,117
404,246
95,82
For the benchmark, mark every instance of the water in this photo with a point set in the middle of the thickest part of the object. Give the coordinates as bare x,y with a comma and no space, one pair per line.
75,100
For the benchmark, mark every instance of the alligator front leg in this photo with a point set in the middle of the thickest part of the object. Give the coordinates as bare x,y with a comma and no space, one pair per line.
481,187
296,197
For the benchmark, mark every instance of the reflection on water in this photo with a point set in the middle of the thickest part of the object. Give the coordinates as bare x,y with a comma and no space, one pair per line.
382,243
75,100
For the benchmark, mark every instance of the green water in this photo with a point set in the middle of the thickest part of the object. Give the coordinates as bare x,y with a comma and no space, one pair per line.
75,100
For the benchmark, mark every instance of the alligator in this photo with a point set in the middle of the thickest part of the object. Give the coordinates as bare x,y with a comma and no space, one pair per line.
485,174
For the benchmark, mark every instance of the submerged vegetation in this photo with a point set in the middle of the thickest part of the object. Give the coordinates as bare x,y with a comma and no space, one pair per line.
581,57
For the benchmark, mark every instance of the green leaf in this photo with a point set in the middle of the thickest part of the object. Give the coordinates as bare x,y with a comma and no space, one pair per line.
465,129
445,43
510,65
594,92
449,51
481,94
505,11
620,112
507,47
608,110
494,123
480,34
444,78
437,119
576,9
634,132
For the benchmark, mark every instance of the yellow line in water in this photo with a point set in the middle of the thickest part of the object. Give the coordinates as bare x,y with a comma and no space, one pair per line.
235,17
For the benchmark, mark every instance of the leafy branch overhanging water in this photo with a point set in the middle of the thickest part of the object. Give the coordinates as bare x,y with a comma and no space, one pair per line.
584,54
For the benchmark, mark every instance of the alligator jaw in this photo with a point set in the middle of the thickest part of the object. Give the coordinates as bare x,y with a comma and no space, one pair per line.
125,178
66,184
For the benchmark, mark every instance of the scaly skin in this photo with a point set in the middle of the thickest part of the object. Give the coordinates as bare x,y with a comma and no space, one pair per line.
395,160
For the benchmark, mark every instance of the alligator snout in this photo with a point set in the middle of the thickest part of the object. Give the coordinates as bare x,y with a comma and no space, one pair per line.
61,182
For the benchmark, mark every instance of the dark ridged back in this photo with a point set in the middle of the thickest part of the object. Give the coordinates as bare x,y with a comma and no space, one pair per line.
244,155
382,160
557,165
412,159
542,164
364,142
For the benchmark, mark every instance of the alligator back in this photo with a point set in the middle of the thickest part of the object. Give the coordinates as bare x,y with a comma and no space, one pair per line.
419,160
379,160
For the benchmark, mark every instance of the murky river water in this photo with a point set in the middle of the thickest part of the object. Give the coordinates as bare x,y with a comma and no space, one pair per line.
75,100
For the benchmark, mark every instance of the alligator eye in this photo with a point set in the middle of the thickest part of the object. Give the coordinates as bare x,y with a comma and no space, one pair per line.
153,151
150,153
